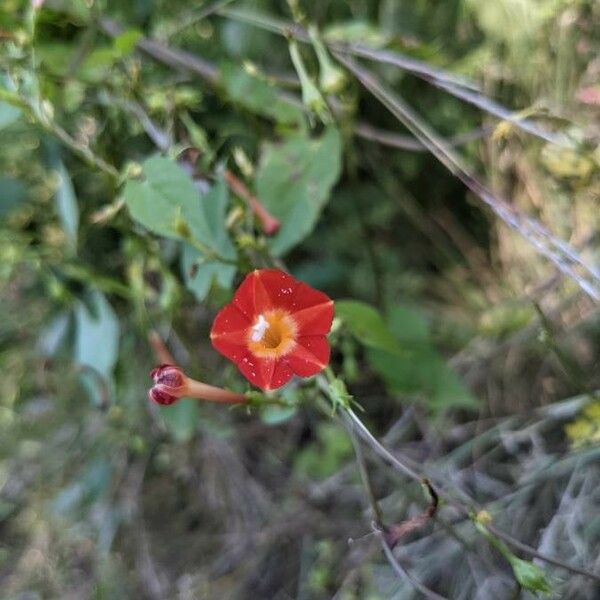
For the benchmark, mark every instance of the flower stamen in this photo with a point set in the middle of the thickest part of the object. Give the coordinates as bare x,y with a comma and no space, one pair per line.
273,334
259,329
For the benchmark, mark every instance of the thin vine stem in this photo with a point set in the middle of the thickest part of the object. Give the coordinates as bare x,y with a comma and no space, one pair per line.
207,71
402,572
559,252
458,86
402,467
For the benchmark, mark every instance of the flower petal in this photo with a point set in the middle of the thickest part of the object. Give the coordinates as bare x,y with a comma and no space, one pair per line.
252,297
305,297
281,374
309,356
281,288
233,350
266,374
314,320
230,325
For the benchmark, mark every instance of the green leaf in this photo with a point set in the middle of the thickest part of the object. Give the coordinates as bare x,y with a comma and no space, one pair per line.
210,226
275,415
529,575
12,192
357,32
165,197
53,335
91,485
97,334
199,274
422,372
294,180
409,325
199,138
64,196
126,42
181,419
167,203
98,64
8,114
54,56
367,325
258,96
419,370
66,205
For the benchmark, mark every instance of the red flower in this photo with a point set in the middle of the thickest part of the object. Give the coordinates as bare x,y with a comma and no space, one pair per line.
274,327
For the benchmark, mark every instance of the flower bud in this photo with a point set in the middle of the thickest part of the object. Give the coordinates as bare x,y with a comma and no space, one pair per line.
331,78
311,96
169,384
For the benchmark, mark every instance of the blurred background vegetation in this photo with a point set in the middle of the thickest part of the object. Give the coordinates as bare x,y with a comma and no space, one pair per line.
468,330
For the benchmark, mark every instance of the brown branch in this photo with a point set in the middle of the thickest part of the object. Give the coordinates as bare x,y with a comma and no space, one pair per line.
176,59
268,222
406,142
394,533
161,352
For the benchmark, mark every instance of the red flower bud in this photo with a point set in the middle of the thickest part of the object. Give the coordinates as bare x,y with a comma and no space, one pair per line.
161,397
171,383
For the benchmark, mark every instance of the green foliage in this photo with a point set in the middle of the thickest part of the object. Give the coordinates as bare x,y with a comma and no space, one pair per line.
66,203
367,325
585,429
530,576
8,115
339,396
103,242
323,458
357,32
258,96
402,352
167,203
13,193
97,334
90,485
125,42
199,267
419,371
200,273
294,180
272,414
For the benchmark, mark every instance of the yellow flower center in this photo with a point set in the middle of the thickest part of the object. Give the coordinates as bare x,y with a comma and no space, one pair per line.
272,335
